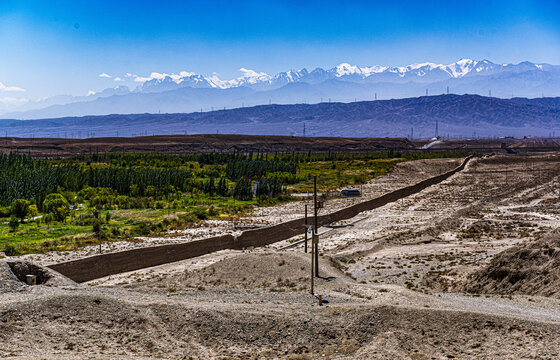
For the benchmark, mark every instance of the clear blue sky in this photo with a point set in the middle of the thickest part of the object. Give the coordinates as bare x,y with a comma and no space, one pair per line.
61,47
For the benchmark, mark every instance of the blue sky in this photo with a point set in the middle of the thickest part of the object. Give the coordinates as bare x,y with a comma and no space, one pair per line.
61,47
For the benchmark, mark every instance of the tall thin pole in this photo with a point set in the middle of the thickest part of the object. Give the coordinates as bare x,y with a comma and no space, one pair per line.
312,262
312,267
99,229
306,224
315,231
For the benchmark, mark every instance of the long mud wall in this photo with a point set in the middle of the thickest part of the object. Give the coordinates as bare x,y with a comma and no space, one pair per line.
99,266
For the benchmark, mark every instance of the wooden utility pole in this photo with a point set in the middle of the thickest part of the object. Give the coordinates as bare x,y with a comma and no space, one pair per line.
306,225
99,223
315,237
312,274
97,215
99,233
312,260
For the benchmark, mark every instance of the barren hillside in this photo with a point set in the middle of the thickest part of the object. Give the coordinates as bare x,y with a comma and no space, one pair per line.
390,281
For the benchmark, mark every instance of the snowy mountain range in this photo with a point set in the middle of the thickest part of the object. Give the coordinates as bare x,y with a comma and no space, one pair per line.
425,73
188,92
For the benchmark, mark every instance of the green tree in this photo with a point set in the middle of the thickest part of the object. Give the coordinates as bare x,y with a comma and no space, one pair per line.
222,189
150,191
56,205
209,187
69,196
20,209
33,210
243,190
134,190
14,223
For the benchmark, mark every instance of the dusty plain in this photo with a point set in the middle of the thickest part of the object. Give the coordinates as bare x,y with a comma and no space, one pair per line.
415,279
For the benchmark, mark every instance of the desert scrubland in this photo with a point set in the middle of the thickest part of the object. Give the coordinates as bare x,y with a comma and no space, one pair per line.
464,269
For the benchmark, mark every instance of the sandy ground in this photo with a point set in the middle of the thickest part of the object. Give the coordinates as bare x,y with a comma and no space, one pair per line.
387,279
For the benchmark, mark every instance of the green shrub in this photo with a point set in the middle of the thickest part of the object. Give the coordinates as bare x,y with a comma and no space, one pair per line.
212,211
123,202
5,211
134,190
49,218
33,210
20,209
14,223
96,228
143,229
150,191
11,250
187,219
200,214
102,202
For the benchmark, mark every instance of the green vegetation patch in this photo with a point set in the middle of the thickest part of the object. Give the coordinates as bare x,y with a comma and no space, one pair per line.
63,204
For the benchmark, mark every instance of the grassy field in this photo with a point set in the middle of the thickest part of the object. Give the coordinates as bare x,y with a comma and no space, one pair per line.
34,236
332,175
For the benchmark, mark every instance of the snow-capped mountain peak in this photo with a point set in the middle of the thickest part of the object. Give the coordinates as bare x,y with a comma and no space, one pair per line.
252,77
417,72
347,69
461,67
188,91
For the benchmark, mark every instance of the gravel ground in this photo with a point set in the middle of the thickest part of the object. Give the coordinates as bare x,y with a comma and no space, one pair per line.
388,287
173,317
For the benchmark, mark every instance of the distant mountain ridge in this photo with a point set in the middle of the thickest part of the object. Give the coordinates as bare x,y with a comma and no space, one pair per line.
423,72
188,92
457,116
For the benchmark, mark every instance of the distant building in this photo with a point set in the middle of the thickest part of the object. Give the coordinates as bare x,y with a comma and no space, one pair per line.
350,193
